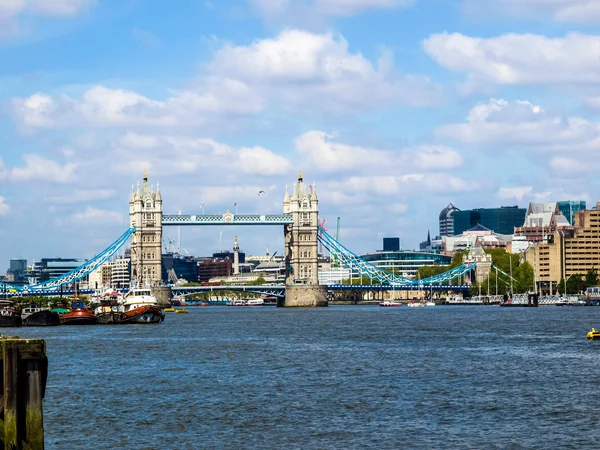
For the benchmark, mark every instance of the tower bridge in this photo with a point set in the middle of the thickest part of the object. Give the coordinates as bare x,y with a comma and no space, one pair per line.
302,234
300,221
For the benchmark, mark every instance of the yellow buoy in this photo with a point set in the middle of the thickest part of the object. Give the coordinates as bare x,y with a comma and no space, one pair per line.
593,334
169,310
181,311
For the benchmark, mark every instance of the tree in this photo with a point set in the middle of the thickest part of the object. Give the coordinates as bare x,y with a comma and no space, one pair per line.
591,278
524,276
575,285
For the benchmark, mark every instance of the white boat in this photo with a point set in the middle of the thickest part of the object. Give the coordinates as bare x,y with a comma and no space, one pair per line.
416,305
237,302
390,303
430,304
255,302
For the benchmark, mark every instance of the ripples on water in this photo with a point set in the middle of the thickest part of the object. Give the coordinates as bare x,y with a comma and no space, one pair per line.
340,377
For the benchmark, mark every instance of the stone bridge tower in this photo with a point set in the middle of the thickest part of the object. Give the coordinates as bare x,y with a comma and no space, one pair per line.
301,248
145,213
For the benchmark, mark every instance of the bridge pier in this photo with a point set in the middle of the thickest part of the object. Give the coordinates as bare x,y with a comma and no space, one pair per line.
304,296
163,295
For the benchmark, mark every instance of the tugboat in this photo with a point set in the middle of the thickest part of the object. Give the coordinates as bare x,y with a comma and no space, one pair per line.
110,310
9,316
140,306
79,315
36,316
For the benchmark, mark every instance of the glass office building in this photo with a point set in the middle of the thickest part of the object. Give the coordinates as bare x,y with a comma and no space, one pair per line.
405,263
569,208
501,220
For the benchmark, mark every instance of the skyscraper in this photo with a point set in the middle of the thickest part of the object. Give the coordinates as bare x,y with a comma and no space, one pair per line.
447,220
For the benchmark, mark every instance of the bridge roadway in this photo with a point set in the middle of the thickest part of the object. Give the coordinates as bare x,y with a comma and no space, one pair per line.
279,290
227,218
275,290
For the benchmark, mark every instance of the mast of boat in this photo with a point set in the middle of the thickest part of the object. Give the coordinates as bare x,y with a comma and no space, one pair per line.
511,277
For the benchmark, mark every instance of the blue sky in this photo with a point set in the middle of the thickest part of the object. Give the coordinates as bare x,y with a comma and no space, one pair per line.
394,108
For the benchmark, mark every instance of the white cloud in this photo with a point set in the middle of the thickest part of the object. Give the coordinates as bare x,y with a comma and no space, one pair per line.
100,106
567,165
98,216
11,10
517,192
389,185
176,154
38,168
560,10
318,72
520,124
292,9
519,59
322,152
4,208
315,74
437,157
263,161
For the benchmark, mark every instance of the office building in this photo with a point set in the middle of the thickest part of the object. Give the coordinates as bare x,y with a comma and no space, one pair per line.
501,220
569,209
478,236
541,221
447,220
17,271
50,268
566,252
391,244
403,262
176,267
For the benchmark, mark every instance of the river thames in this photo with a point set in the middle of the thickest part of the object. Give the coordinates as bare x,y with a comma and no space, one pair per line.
332,378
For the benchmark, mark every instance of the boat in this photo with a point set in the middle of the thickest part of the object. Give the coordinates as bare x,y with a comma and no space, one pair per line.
140,306
34,316
181,311
429,304
237,302
416,305
79,315
388,303
255,302
9,316
204,303
169,310
593,334
110,309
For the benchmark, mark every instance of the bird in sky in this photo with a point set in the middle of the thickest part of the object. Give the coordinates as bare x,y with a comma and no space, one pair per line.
260,192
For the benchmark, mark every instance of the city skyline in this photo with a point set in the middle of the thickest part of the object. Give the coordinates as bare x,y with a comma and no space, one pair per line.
478,105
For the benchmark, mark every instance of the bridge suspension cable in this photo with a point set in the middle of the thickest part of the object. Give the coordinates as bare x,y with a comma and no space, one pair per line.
81,271
366,269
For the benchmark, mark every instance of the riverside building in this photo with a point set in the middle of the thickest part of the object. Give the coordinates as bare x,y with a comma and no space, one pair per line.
501,220
567,251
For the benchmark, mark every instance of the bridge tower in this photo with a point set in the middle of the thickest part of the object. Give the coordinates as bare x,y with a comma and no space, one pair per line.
301,248
145,213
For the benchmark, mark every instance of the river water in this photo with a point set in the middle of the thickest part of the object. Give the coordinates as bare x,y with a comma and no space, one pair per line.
333,378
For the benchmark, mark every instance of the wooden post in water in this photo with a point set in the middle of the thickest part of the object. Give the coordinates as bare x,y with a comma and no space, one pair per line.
24,378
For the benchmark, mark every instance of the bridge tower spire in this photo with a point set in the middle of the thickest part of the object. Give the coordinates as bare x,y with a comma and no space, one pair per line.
145,213
301,248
